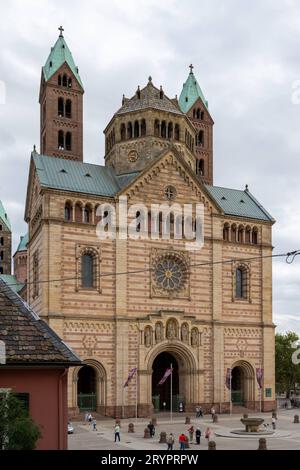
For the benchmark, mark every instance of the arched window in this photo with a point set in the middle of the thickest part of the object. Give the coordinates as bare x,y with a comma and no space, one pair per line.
61,140
201,138
255,236
163,129
156,128
226,232
87,214
70,82
200,167
198,113
78,213
241,283
65,80
136,129
68,211
88,271
202,115
233,233
177,132
170,130
2,241
59,80
143,128
60,107
240,234
69,109
68,141
248,235
123,131
129,130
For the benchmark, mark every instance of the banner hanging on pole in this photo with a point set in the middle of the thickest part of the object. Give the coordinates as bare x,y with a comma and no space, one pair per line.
259,376
166,375
130,376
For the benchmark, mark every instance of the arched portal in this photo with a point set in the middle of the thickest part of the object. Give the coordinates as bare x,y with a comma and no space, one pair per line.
242,384
87,389
161,394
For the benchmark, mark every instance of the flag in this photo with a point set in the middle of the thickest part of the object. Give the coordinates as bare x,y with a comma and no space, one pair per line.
130,376
166,375
259,376
228,379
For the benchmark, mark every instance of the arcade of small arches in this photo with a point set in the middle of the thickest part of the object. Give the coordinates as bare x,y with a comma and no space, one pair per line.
171,331
64,140
240,233
198,114
64,108
64,80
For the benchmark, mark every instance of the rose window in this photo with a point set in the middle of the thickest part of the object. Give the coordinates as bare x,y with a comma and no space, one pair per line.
170,272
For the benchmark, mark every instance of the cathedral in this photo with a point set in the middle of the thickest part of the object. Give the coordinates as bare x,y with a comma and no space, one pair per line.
134,308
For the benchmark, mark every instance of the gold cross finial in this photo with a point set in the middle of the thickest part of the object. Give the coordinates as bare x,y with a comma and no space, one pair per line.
191,67
61,29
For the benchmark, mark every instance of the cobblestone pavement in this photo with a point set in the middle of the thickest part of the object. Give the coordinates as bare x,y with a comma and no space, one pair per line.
84,438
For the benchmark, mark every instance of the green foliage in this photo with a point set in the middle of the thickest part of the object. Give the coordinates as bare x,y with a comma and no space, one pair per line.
287,373
17,429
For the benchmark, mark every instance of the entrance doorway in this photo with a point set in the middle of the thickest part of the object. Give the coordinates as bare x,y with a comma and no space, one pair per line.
86,389
237,386
161,394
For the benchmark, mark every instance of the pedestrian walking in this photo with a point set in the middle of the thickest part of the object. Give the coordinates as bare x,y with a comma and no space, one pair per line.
94,423
90,418
117,432
170,441
197,411
86,417
191,433
182,441
198,435
213,412
207,434
200,412
274,423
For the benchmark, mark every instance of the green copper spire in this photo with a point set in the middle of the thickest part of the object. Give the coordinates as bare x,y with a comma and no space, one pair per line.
4,217
60,53
191,91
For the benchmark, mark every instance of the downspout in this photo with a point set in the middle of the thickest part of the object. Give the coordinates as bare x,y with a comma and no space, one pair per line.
61,411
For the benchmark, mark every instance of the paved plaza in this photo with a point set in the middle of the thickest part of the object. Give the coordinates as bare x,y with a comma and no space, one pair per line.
287,435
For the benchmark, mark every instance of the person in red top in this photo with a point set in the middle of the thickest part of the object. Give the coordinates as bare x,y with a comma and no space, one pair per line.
182,441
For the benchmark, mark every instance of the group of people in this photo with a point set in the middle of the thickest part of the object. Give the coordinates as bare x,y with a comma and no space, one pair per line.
92,421
184,439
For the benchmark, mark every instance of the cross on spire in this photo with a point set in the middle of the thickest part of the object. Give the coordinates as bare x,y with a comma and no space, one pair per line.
61,29
191,67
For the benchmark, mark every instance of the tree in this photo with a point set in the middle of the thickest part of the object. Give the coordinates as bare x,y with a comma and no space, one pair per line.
17,429
287,371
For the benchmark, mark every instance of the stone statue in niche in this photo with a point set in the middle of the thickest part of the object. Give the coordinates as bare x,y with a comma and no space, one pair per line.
158,332
171,330
184,333
194,338
148,337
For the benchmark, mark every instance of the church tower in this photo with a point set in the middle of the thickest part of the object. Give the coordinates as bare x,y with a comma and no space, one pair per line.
193,103
61,104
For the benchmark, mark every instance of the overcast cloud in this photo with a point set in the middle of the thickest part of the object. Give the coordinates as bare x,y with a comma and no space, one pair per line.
246,59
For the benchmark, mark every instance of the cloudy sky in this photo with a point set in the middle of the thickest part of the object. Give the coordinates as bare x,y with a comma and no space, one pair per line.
246,59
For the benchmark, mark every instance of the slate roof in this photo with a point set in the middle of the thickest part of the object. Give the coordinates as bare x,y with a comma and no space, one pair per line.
69,175
239,203
60,53
12,282
28,339
149,98
4,217
191,91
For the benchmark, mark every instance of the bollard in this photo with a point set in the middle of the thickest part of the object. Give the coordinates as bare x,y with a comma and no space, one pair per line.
130,427
163,437
296,419
154,421
187,420
147,433
262,444
211,445
215,419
